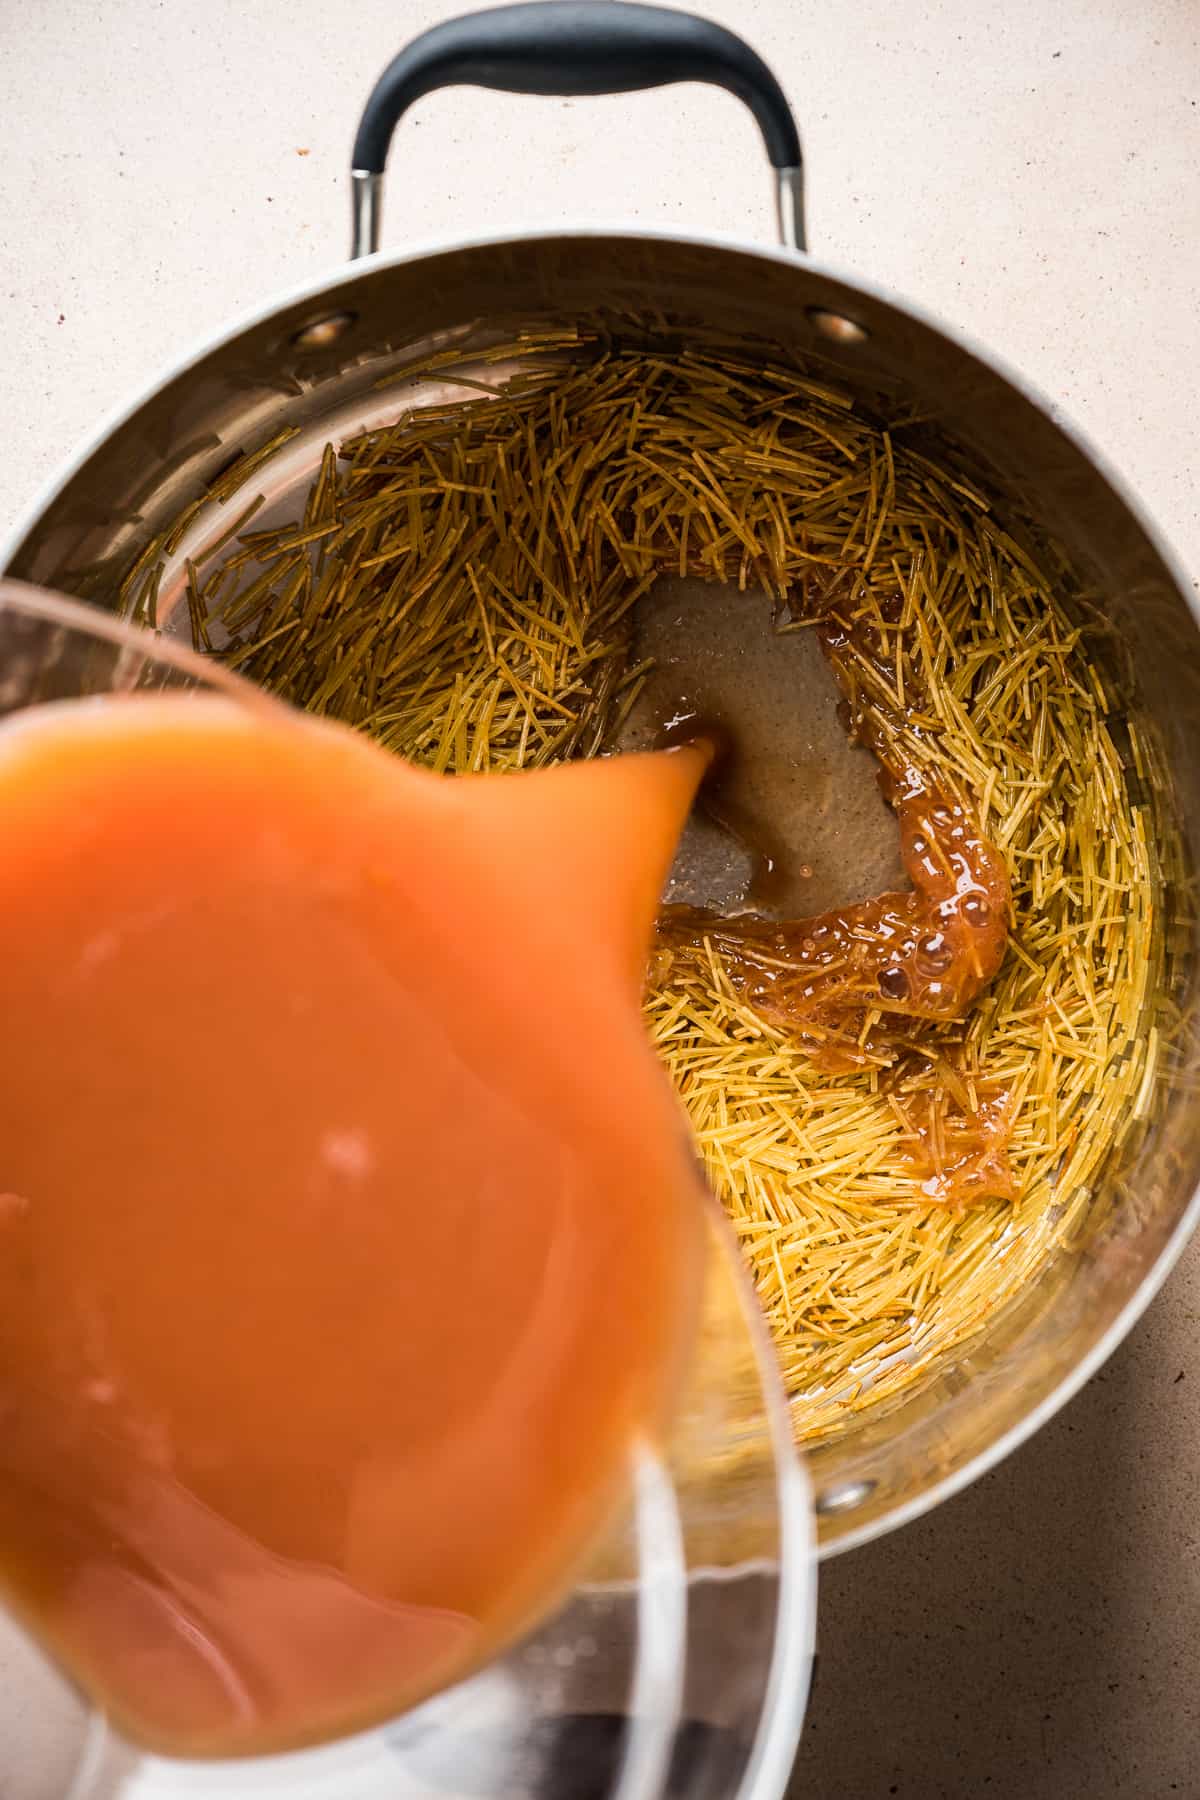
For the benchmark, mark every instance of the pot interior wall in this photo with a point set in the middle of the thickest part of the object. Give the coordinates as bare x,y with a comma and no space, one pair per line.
312,369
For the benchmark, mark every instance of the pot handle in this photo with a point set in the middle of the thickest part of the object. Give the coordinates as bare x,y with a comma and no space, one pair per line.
574,47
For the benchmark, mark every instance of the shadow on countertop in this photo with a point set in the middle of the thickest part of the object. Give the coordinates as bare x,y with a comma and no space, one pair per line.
1039,1636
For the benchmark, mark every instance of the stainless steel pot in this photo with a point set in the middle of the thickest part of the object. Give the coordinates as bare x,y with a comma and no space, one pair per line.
311,361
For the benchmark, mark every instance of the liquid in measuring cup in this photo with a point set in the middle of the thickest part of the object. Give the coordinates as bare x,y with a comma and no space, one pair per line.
348,1229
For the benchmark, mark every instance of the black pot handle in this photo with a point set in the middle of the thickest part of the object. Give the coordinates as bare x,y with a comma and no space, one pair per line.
574,47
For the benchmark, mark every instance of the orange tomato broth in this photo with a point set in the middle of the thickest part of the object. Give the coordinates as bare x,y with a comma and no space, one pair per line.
349,1234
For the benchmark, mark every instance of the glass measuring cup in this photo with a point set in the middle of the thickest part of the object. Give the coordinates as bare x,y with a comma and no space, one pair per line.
676,1664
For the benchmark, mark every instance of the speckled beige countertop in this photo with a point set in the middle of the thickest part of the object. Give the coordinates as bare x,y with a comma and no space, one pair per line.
1031,171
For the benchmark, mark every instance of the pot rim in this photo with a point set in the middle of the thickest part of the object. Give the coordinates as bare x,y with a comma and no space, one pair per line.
316,286
312,289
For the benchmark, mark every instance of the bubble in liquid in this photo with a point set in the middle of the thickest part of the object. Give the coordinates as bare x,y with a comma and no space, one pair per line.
893,984
976,910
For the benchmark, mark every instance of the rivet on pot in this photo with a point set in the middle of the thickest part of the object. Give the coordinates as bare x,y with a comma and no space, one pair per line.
844,1495
319,333
837,327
